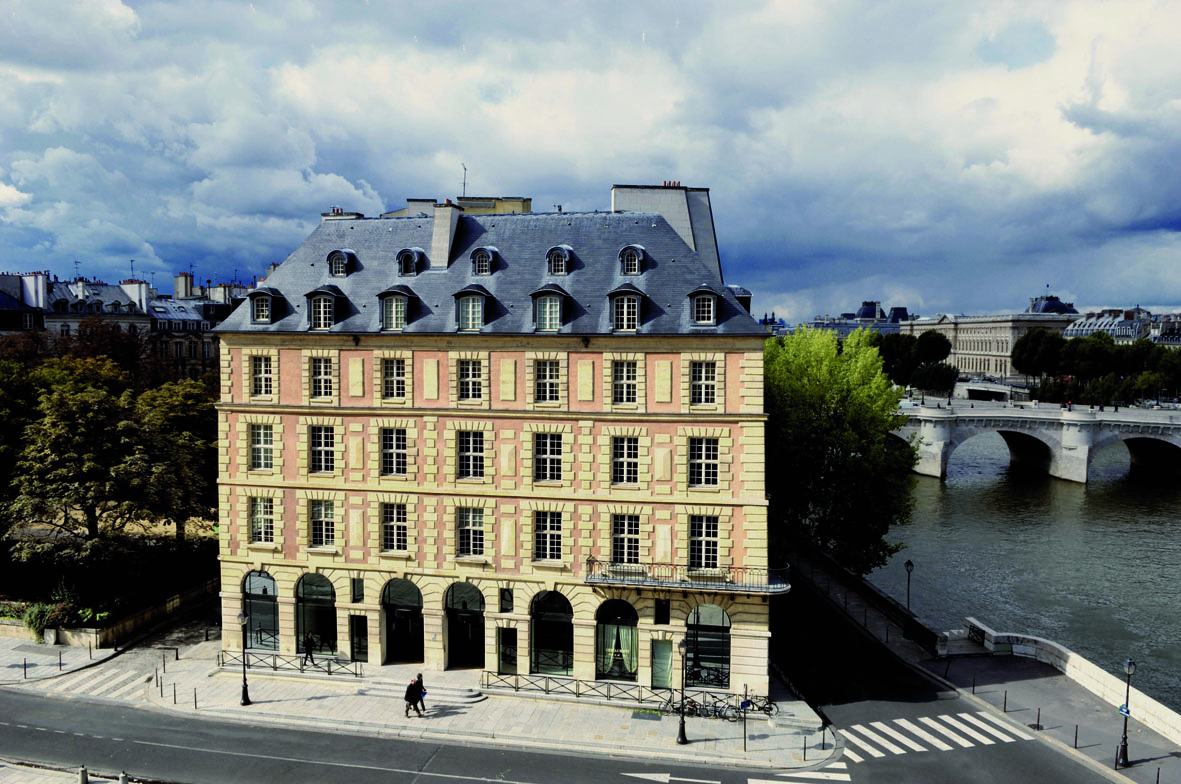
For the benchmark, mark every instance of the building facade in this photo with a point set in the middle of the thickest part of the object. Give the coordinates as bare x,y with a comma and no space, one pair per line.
529,443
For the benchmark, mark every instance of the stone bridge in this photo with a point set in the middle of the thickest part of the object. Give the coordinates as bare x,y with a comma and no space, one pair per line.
1058,441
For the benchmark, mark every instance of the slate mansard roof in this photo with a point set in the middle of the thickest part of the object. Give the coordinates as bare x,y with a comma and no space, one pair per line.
670,272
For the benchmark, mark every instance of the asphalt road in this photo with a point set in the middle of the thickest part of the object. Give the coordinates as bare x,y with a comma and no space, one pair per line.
878,703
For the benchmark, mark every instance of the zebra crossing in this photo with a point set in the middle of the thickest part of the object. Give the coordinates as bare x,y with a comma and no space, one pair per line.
837,771
106,682
878,739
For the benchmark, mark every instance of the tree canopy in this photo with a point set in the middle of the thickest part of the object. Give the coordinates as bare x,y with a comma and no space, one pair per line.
1095,370
842,477
911,361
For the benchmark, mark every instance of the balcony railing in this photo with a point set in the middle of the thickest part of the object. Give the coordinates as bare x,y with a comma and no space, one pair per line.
738,579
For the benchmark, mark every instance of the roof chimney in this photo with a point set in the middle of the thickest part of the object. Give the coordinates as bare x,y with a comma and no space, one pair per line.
443,234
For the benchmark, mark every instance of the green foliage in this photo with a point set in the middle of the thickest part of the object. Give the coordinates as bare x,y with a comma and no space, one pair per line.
932,347
841,477
36,617
1093,370
938,377
11,609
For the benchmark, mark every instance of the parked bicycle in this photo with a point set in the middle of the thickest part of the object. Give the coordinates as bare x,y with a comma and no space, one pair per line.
671,707
762,704
720,709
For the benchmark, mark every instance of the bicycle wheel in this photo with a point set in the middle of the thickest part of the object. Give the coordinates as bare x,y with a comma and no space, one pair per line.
729,712
771,709
668,708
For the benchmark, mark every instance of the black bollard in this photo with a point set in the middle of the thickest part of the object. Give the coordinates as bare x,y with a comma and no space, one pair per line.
973,684
1005,708
1076,736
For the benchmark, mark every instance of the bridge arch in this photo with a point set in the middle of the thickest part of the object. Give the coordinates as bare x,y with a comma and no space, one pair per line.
1032,450
1156,452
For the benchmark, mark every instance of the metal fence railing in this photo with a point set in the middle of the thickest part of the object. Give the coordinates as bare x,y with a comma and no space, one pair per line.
279,662
631,693
738,579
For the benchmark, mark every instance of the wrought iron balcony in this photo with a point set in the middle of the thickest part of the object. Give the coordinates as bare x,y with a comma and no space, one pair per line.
736,579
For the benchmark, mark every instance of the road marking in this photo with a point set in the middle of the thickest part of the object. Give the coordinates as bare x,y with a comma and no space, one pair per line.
971,733
898,736
945,732
664,778
864,746
989,729
878,739
852,754
922,733
805,775
1005,725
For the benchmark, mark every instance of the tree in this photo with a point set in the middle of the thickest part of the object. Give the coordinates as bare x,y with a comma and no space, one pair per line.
844,478
932,347
935,377
898,356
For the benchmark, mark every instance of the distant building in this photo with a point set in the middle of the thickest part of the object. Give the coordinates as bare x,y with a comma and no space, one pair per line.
869,316
471,205
1124,326
983,345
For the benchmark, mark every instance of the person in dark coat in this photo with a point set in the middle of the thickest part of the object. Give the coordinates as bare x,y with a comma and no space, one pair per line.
421,692
308,642
413,697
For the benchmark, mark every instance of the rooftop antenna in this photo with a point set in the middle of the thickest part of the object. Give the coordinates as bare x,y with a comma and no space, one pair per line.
133,268
76,263
464,165
153,279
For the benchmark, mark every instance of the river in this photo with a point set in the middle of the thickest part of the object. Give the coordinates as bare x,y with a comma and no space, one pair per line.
1094,567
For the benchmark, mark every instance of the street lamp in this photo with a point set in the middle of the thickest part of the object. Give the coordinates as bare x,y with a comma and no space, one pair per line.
244,619
909,568
1121,758
681,648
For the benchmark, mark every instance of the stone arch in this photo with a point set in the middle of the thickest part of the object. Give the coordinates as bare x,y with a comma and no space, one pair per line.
617,650
260,601
464,605
315,612
707,636
1155,452
401,605
1026,447
551,634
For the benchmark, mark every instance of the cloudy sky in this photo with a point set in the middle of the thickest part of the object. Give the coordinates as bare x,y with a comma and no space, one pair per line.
948,157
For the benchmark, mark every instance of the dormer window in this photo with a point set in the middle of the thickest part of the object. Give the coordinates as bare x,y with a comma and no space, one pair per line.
704,309
322,312
393,313
338,263
482,261
408,261
629,260
625,313
557,261
549,313
260,310
471,313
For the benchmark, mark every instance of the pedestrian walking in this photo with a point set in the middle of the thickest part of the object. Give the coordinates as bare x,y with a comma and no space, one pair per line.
413,697
308,642
421,693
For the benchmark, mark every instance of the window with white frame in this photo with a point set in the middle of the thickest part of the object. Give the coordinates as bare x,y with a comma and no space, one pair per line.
547,457
703,309
469,524
556,262
406,262
625,313
261,310
322,520
322,446
322,376
262,447
623,381
630,261
547,536
322,312
262,520
703,542
471,379
262,376
337,264
703,462
482,262
549,313
28,321
65,330
625,460
625,539
546,380
393,313
703,383
393,379
471,313
470,462
393,451
395,534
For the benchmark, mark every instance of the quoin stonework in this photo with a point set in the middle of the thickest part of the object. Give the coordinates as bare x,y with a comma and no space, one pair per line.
522,442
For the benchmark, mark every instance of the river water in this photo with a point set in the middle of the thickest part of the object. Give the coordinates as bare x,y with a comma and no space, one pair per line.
1095,567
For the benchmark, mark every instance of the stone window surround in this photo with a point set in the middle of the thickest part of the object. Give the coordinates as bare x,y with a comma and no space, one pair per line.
647,527
304,448
242,428
450,462
725,458
373,537
725,534
608,379
567,510
303,522
531,358
373,448
451,505
607,436
242,497
306,357
566,430
248,355
719,404
379,378
485,359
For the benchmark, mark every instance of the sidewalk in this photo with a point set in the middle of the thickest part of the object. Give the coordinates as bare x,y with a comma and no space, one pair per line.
1019,687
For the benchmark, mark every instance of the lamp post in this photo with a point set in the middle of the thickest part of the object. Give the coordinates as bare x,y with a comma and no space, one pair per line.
1121,758
909,568
681,648
244,619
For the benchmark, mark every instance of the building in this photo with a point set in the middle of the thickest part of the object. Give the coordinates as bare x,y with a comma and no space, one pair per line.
520,442
1123,325
983,345
182,325
869,316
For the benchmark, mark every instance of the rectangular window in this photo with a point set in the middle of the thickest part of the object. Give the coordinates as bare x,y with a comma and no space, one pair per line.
545,380
358,589
471,379
262,379
394,533
471,455
506,600
549,313
262,519
192,351
471,313
393,313
262,310
262,447
322,441
322,313
623,382
393,379
662,612
703,383
625,460
703,462
206,350
703,309
703,542
470,531
393,451
28,321
322,377
547,457
323,523
625,314
547,536
625,539
178,350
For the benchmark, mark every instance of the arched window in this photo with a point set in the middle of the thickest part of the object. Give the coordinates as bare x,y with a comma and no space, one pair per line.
481,261
707,633
260,604
703,309
315,612
322,312
338,264
464,605
629,260
549,313
402,603
407,262
552,634
393,313
616,642
557,261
